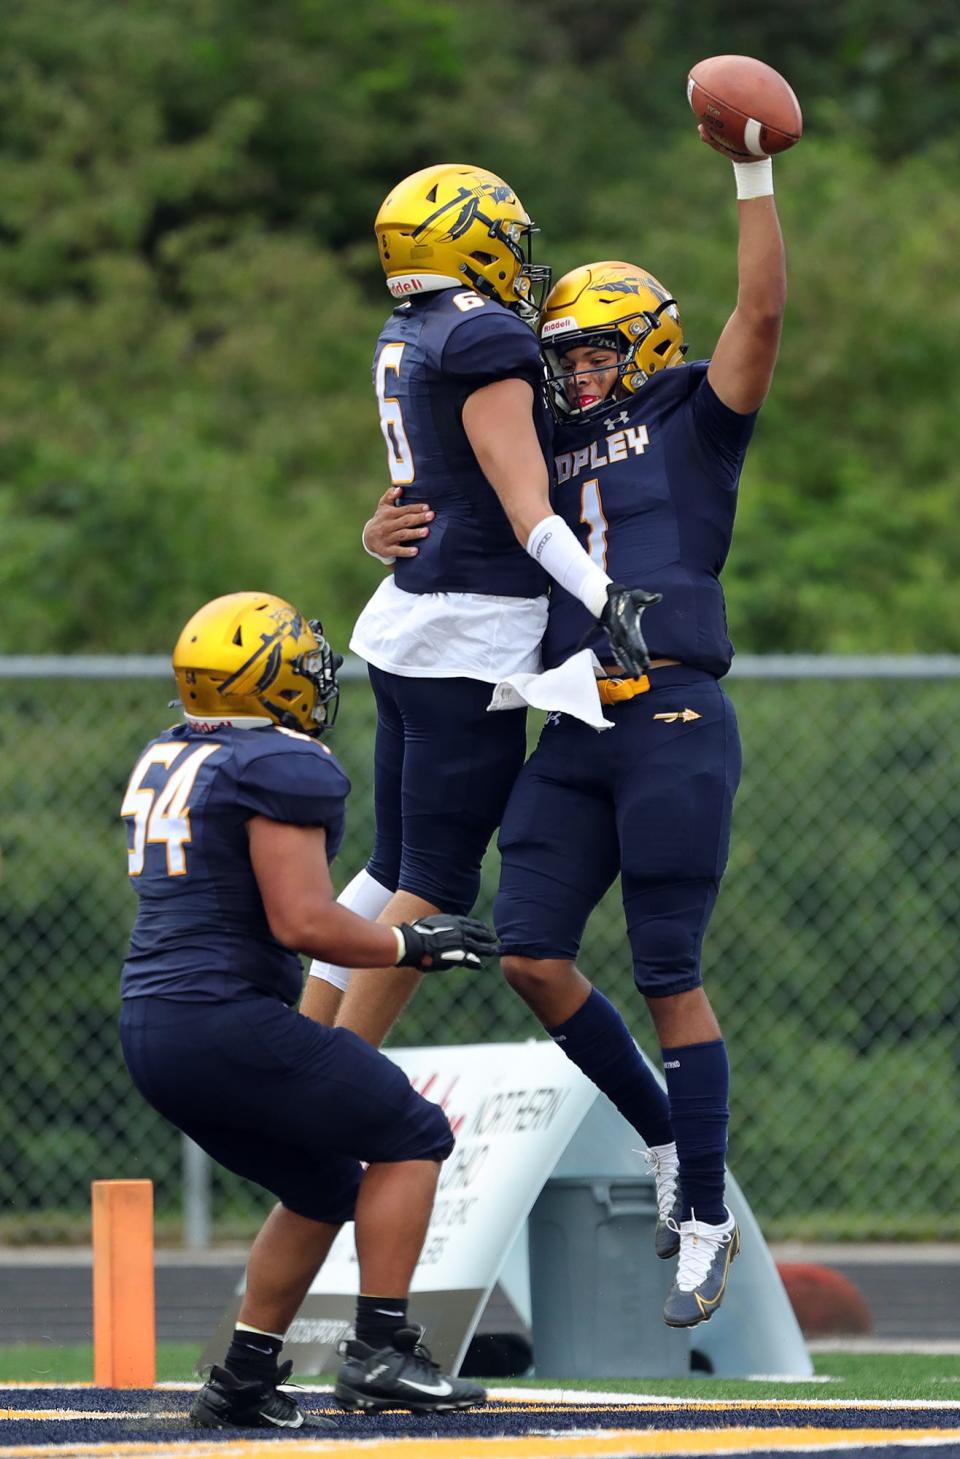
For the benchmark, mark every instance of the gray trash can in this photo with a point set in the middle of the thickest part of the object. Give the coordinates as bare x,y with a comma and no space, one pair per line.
596,1286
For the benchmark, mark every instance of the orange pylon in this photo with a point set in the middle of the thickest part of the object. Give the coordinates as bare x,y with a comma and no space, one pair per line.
124,1316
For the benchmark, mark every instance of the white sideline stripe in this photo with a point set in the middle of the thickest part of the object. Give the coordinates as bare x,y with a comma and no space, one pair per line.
588,1396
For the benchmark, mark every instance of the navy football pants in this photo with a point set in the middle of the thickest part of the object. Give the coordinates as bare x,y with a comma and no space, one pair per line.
277,1098
444,768
650,799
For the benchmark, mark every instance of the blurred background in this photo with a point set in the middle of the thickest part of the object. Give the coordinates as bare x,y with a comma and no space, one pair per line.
189,299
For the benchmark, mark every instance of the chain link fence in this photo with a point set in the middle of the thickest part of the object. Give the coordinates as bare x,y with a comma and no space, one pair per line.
831,959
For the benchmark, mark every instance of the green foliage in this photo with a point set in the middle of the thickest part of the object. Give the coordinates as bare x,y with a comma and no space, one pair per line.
189,291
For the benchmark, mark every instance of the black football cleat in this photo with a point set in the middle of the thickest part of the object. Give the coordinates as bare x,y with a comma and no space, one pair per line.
226,1402
706,1255
402,1375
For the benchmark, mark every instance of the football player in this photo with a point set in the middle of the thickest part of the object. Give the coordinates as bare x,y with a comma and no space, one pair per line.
232,818
649,451
648,454
458,376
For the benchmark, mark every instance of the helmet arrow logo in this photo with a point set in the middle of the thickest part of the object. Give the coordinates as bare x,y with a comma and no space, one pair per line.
270,644
468,201
616,286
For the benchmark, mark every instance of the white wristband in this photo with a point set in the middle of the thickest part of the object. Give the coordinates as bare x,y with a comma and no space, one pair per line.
401,943
553,545
387,561
754,179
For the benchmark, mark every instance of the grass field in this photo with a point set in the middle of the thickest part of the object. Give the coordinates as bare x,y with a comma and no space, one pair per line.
850,1376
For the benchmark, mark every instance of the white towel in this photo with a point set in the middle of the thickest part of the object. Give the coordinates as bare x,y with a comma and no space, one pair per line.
571,689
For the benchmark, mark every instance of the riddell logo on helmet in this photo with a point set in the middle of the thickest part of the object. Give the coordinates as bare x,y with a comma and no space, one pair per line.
405,284
554,326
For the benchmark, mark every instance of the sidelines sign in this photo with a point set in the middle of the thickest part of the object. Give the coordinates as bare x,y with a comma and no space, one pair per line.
514,1109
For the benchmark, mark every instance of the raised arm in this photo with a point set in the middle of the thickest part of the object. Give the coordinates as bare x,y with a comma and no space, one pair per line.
742,364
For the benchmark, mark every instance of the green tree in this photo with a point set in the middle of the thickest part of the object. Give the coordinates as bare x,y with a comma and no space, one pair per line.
190,295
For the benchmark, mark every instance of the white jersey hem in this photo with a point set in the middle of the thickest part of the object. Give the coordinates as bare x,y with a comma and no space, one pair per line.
450,635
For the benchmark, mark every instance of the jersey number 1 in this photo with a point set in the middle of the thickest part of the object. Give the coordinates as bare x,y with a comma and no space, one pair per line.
591,514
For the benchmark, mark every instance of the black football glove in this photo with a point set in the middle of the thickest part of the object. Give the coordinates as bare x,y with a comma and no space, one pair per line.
621,618
434,943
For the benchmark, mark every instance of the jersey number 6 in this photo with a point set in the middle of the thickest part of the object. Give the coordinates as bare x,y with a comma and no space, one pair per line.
399,455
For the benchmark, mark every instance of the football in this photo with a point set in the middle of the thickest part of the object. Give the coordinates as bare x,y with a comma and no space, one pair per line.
745,105
824,1301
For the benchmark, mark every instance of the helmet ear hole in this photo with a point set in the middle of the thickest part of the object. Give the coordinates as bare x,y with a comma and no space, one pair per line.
238,638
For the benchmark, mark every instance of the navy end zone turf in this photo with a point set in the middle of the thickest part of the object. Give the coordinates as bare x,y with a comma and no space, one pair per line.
81,1416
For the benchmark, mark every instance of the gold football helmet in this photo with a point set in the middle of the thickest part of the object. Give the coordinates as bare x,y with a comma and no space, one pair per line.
614,306
252,656
454,224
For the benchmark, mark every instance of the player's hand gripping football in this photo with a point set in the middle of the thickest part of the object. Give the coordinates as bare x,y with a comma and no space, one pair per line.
434,943
394,528
621,618
718,146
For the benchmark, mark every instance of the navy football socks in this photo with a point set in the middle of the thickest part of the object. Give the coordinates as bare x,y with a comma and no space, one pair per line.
252,1356
598,1041
698,1082
378,1318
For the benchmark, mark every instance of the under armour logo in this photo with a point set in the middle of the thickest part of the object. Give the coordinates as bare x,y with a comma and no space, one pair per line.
614,420
552,718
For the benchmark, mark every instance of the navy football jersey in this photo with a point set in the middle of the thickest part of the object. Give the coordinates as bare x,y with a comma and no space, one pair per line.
650,489
201,928
433,352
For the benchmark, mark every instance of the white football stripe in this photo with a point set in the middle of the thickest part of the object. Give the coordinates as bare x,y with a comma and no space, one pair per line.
751,137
